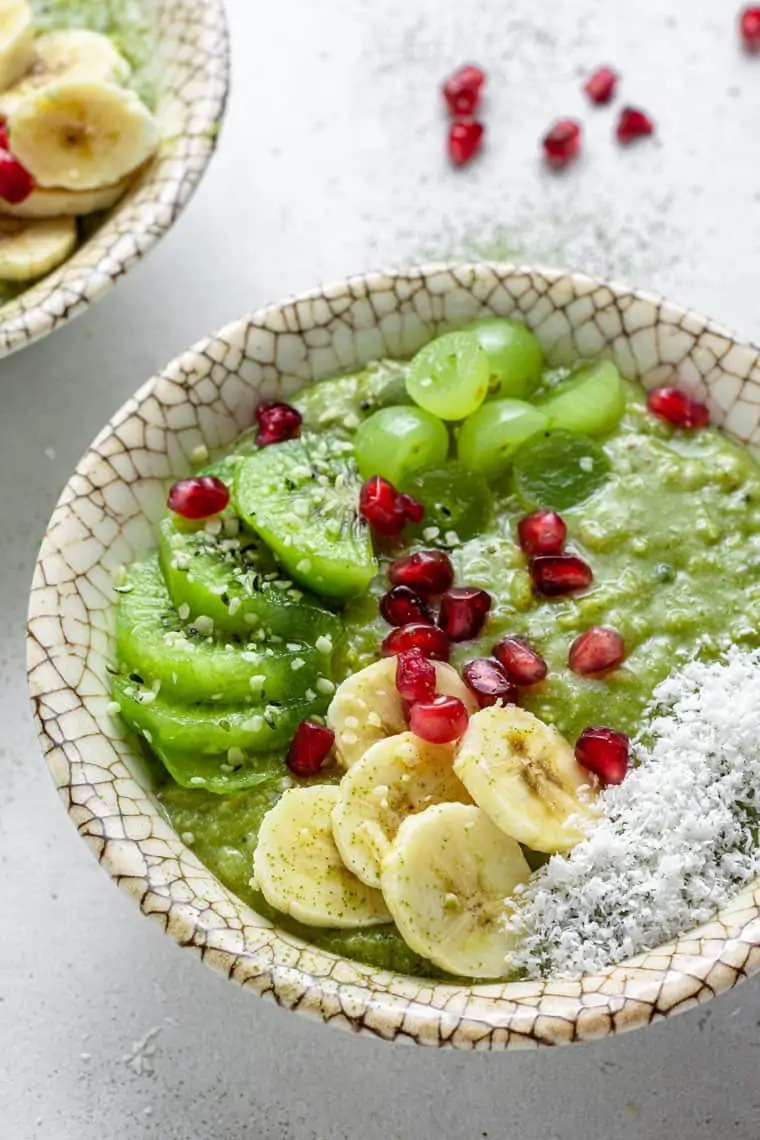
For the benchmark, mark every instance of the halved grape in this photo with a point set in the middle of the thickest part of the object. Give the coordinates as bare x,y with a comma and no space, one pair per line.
456,500
515,355
489,438
559,470
449,376
396,442
590,402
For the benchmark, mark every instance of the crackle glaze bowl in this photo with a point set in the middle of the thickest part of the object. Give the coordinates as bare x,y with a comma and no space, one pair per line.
192,90
106,517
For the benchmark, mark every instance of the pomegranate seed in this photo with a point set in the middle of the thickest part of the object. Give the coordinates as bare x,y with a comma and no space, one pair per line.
386,511
465,140
633,124
402,605
431,641
415,676
439,721
555,574
600,87
749,25
309,748
543,532
277,422
678,408
604,752
463,612
199,497
426,571
16,183
414,511
462,89
562,143
596,651
520,660
4,138
489,682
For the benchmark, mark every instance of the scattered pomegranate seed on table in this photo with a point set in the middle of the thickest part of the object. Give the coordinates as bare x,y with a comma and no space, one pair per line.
464,610
678,408
462,89
749,26
633,124
543,532
309,748
426,571
600,86
557,574
16,183
519,659
199,497
403,605
604,752
440,721
429,639
489,682
415,676
387,511
277,422
465,140
597,650
562,143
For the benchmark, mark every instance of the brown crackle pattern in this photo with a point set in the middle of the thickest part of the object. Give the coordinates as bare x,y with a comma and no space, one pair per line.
194,78
106,516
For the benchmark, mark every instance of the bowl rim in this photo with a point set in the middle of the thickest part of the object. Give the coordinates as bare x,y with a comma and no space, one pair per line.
654,985
151,206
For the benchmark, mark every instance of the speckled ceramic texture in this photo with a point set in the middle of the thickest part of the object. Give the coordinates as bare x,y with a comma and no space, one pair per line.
193,80
106,516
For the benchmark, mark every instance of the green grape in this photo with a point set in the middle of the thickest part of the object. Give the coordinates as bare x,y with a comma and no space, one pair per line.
558,470
449,376
590,402
455,499
396,442
515,355
489,438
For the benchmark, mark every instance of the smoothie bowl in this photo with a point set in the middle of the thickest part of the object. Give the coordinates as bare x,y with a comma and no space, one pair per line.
397,649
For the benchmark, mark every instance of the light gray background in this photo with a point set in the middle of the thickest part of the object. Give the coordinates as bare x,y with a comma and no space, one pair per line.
330,163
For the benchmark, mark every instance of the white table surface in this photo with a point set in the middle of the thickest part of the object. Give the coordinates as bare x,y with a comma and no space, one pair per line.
330,163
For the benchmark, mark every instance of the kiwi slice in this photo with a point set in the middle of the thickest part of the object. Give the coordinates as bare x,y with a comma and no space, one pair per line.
559,470
457,501
193,664
302,498
220,774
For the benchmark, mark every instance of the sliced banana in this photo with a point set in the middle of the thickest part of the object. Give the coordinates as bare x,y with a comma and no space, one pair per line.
16,41
395,778
367,706
298,869
445,881
82,135
74,53
57,203
30,249
525,777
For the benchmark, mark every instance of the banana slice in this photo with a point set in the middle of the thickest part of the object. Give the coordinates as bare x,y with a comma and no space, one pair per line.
395,778
75,53
367,706
16,41
297,867
57,203
81,135
30,249
445,881
525,777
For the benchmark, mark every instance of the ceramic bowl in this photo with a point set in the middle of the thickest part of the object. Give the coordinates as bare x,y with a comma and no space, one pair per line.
193,83
106,517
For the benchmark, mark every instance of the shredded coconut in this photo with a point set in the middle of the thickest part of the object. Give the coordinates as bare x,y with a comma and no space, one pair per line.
676,839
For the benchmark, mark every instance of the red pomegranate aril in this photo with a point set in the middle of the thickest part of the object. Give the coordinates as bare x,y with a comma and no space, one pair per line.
16,183
749,26
402,606
678,408
431,641
543,532
489,682
600,87
415,676
464,610
462,89
562,143
277,422
604,752
633,124
520,661
597,650
426,571
439,721
199,497
380,504
4,137
414,511
465,140
557,574
309,748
